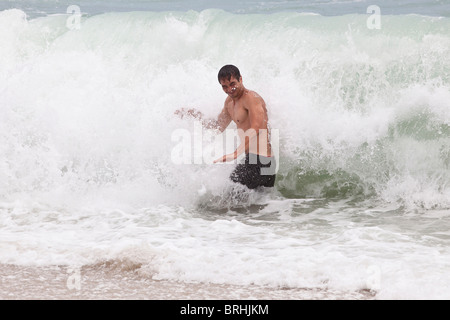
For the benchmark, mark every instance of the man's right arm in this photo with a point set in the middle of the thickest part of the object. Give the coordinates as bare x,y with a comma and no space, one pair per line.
222,122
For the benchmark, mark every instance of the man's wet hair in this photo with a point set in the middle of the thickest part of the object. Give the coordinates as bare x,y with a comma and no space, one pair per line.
226,72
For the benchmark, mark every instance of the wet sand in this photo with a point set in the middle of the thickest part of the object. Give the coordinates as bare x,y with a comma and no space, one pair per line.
109,282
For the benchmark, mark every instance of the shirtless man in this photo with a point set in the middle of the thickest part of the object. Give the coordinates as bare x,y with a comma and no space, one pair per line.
248,110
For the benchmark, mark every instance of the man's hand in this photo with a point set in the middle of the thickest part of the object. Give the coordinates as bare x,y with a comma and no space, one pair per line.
226,158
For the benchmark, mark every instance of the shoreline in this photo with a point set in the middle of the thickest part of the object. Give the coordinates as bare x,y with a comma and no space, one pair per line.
111,283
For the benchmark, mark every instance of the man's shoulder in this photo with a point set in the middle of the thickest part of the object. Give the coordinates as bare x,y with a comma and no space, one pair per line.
254,94
228,101
253,97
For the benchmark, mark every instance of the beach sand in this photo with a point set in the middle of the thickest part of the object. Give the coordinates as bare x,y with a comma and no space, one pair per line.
109,282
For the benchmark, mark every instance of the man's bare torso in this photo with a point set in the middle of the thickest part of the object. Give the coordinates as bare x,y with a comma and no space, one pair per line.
239,112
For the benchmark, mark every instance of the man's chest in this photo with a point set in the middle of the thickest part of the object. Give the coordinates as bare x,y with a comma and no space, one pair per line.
238,113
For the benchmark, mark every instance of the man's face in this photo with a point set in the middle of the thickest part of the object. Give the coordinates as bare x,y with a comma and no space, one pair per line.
231,87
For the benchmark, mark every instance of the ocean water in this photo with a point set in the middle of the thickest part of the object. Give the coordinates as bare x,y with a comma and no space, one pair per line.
97,174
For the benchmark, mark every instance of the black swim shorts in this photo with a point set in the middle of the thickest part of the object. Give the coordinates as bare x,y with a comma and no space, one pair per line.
255,171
